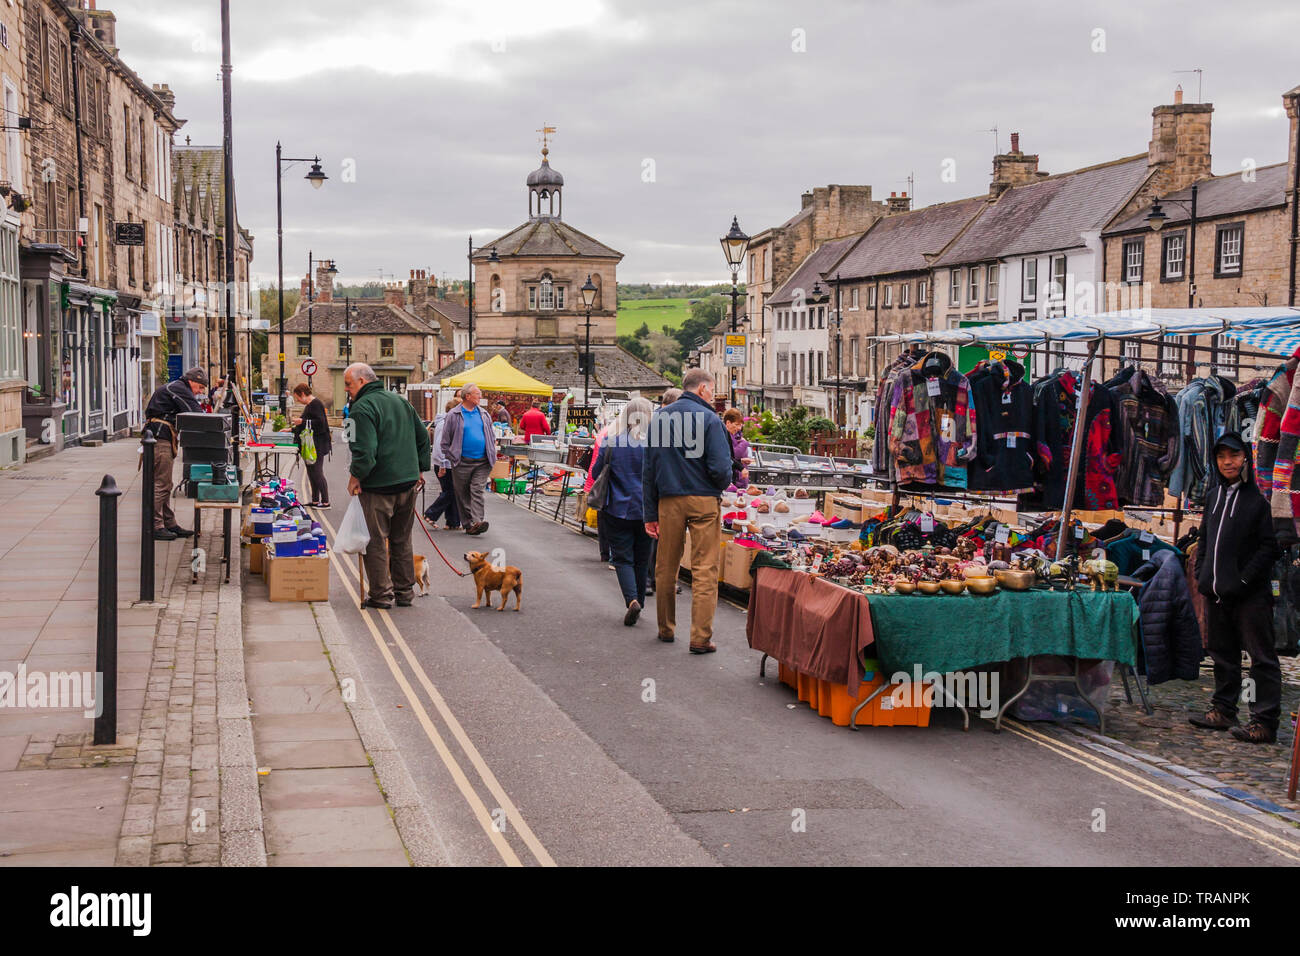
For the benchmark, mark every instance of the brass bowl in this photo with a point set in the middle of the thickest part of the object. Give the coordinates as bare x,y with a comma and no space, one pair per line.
1015,580
928,587
952,587
982,585
904,587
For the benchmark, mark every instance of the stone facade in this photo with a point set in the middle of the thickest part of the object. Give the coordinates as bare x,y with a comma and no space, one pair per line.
14,172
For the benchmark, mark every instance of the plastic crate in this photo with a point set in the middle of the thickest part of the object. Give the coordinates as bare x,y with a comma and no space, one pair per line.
211,492
502,486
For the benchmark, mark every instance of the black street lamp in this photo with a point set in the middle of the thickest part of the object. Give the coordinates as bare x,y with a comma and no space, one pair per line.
492,258
317,178
588,299
839,354
734,245
1156,219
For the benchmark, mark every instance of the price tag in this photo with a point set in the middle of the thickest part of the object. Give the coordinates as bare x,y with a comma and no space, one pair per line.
1146,554
817,562
1003,535
1146,537
1006,398
1277,589
1078,533
927,523
1011,440
932,386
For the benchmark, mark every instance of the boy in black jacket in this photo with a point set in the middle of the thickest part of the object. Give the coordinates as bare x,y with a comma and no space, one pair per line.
1232,570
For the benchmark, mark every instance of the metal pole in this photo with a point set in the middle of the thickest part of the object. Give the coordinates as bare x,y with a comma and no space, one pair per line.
586,365
731,379
1076,449
228,162
311,341
146,520
279,252
106,622
469,258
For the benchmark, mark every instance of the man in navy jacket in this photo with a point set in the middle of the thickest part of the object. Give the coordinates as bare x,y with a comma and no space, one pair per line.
687,467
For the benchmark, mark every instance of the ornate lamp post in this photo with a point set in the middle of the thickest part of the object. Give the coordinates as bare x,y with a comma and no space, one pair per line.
317,178
492,258
734,246
588,299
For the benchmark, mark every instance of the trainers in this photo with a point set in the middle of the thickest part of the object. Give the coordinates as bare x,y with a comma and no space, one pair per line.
1213,719
633,612
1255,733
324,506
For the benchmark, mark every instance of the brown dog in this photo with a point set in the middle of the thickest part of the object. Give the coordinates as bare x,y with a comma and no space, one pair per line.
488,579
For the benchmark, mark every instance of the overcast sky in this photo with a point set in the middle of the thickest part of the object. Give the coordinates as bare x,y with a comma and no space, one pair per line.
727,108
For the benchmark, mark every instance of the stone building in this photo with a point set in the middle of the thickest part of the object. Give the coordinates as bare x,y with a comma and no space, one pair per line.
87,323
825,212
399,345
15,192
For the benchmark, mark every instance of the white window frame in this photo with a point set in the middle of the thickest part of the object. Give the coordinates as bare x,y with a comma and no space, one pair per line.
994,270
871,297
954,286
889,295
853,299
1177,241
1134,253
973,286
923,292
1029,280
905,295
1229,238
1056,290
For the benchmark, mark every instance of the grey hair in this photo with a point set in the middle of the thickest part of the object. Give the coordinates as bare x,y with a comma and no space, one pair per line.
468,386
694,378
361,372
634,419
670,395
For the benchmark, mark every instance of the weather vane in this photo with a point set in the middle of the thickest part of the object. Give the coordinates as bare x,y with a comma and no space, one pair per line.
546,131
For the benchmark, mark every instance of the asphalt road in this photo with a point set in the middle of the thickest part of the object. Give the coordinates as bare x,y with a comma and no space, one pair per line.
547,728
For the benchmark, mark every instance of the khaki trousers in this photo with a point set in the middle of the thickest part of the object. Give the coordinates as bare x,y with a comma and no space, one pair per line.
163,465
700,514
390,564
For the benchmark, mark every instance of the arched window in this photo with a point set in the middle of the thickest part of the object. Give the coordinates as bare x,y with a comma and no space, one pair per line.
547,293
497,302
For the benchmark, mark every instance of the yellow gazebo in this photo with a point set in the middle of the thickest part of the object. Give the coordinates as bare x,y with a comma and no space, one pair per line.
498,375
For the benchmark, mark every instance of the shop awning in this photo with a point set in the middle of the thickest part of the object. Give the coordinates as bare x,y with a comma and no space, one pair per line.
1277,341
1140,323
498,375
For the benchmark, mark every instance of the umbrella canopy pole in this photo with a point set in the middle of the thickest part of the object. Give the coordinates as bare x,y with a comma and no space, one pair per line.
1076,448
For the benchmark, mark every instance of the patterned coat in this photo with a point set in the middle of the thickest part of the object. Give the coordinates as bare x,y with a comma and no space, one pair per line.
1283,490
1149,437
932,423
1268,431
1054,417
1202,416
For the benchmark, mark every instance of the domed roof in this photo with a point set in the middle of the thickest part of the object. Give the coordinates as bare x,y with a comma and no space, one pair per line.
543,175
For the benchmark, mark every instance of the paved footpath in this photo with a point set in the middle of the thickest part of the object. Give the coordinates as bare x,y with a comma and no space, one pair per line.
196,776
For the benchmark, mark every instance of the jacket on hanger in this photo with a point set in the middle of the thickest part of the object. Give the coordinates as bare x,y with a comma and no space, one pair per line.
1202,418
1171,635
932,433
1276,469
1148,418
1004,447
1054,417
881,460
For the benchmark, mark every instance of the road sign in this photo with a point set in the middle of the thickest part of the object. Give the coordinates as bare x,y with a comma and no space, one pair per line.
308,367
281,356
735,349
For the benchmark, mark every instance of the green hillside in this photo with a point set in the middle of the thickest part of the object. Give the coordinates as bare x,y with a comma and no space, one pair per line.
656,313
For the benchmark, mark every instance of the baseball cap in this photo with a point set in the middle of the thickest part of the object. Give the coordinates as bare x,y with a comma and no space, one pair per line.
1230,440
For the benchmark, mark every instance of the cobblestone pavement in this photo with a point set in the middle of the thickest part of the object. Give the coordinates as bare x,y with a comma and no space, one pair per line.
1254,768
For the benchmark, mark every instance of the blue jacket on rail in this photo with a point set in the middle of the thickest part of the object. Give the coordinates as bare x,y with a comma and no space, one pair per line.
688,453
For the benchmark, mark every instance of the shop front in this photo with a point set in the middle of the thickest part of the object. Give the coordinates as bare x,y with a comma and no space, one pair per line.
85,341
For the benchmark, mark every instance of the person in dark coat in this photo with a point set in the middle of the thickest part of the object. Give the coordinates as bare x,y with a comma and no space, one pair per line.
313,416
1238,548
1170,632
165,404
623,453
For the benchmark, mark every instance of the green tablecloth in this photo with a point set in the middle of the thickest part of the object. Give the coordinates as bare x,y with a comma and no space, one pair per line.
945,633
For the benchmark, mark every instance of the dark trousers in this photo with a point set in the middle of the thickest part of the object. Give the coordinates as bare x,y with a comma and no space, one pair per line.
630,546
602,539
320,489
389,558
445,503
1237,625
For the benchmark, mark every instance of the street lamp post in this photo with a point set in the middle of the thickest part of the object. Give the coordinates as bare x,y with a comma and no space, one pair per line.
1156,219
492,258
734,245
317,178
588,299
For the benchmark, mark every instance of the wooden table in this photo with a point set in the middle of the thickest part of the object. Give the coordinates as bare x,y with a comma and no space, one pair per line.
226,507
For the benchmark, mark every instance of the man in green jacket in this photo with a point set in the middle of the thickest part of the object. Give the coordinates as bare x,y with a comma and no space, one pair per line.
390,449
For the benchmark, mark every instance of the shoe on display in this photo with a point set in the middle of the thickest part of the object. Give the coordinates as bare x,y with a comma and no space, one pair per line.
818,518
181,532
841,523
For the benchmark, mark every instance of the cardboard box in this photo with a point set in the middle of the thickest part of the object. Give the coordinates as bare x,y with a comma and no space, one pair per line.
735,567
296,579
256,553
501,469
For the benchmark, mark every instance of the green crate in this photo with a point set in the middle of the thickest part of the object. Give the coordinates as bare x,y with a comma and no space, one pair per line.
210,492
502,486
198,471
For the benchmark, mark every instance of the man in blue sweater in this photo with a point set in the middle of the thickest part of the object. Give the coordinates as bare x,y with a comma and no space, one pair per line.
687,467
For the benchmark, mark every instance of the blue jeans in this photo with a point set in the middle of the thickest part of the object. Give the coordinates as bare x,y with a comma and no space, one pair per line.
630,546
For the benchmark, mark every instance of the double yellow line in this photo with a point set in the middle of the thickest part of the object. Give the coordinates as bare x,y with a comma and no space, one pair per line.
348,574
1170,796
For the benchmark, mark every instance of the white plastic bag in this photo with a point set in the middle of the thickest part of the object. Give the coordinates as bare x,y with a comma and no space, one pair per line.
354,533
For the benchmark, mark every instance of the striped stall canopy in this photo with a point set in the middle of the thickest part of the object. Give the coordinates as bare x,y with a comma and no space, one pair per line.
1278,341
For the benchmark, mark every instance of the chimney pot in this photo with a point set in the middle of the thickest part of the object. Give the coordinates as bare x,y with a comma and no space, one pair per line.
1015,142
1178,96
904,193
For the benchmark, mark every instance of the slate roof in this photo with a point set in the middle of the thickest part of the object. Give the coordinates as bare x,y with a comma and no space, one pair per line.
1049,214
547,237
811,269
199,189
456,314
900,243
372,318
1221,196
557,366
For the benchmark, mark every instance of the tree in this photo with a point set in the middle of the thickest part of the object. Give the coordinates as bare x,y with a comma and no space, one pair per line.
635,346
665,350
642,332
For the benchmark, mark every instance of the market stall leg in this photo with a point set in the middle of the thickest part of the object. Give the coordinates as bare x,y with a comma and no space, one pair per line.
1031,678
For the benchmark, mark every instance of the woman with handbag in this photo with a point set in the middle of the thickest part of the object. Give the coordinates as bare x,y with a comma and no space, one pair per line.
616,494
319,445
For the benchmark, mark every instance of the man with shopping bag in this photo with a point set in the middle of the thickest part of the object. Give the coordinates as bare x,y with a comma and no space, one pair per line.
390,450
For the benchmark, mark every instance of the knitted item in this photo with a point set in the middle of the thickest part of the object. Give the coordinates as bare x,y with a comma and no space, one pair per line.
931,437
1269,429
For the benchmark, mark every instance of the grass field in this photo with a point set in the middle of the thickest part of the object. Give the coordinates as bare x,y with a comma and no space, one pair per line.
656,313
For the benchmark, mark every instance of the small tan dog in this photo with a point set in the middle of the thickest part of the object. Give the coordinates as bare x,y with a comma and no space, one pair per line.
421,574
488,579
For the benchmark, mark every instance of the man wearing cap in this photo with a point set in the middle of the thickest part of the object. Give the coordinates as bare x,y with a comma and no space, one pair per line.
1233,564
164,405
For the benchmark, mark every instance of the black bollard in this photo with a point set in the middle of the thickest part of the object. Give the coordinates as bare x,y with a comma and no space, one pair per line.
106,624
146,520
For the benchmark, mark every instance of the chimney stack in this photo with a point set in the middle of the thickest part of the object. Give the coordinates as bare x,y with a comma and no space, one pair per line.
394,294
806,200
1180,144
164,93
1013,169
899,203
324,282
